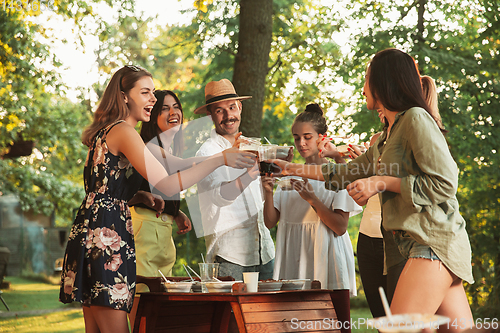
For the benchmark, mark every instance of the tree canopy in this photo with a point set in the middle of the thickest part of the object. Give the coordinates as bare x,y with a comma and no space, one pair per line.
457,44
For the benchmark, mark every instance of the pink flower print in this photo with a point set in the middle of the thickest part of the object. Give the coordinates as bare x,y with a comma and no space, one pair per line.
102,189
100,152
122,206
114,263
89,239
130,227
107,238
69,281
119,292
90,200
123,163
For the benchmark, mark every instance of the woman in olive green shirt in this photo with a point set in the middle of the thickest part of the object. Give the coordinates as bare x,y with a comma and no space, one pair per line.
412,170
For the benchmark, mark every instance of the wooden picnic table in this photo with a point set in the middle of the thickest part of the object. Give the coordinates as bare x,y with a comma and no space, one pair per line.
309,310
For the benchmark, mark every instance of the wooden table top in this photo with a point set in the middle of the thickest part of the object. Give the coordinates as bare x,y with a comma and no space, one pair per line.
270,311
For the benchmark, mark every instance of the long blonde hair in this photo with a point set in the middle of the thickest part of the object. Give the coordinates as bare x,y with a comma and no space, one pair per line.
112,106
431,96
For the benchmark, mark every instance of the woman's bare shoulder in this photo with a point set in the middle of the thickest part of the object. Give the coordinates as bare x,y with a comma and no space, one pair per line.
121,134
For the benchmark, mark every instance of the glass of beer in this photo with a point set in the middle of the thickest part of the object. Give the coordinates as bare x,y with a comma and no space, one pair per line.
251,145
267,152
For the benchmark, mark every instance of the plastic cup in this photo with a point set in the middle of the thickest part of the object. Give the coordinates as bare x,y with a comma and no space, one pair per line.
251,141
251,279
283,151
251,148
285,184
208,271
267,152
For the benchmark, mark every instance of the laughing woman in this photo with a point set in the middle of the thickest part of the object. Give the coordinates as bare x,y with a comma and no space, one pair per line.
411,167
155,248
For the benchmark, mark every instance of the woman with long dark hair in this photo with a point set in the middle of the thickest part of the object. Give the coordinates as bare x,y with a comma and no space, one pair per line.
153,214
411,167
379,260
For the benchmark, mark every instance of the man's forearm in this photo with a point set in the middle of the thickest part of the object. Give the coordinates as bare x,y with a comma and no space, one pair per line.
231,190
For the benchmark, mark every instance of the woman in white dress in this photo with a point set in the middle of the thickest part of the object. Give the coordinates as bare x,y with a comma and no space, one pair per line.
312,240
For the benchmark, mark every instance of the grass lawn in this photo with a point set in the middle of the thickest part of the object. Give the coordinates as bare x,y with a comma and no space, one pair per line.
31,298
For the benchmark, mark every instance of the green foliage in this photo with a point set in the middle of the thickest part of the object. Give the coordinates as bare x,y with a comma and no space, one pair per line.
34,109
457,44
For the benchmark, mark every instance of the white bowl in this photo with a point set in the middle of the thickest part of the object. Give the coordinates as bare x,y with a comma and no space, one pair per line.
270,285
283,151
296,284
178,287
220,287
407,323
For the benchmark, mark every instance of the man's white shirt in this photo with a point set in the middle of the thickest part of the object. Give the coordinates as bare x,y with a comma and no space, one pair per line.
232,227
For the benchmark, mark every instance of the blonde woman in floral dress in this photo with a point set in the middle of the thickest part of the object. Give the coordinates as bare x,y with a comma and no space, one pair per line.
99,267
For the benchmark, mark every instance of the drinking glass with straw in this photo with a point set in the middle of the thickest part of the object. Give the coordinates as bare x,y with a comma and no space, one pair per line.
188,273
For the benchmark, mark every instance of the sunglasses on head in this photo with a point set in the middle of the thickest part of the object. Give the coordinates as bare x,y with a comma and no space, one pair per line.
132,68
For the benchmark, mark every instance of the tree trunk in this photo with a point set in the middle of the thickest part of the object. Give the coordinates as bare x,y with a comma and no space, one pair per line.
420,24
251,61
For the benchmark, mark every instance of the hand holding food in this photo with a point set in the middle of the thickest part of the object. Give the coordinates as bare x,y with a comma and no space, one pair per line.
356,150
327,148
236,158
268,183
304,188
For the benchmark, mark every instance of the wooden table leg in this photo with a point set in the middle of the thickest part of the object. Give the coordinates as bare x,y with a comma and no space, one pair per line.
342,304
220,321
238,314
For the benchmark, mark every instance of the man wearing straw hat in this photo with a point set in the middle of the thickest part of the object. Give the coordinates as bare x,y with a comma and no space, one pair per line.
230,199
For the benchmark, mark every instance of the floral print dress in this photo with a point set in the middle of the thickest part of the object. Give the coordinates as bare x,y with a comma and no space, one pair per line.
99,263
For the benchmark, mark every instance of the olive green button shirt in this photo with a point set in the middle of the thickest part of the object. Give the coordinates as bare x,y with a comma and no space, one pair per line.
427,208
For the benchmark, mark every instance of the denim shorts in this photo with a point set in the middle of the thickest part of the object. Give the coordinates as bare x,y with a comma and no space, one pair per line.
410,248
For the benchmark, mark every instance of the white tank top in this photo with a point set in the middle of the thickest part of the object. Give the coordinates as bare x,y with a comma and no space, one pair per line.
372,217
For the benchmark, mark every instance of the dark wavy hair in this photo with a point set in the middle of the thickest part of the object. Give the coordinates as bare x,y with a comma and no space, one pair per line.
394,81
112,106
313,114
151,129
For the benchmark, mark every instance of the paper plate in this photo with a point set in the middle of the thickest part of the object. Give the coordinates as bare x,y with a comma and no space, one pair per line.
296,284
178,287
270,285
220,287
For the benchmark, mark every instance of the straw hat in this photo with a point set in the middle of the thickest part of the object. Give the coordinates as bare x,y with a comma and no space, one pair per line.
218,91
